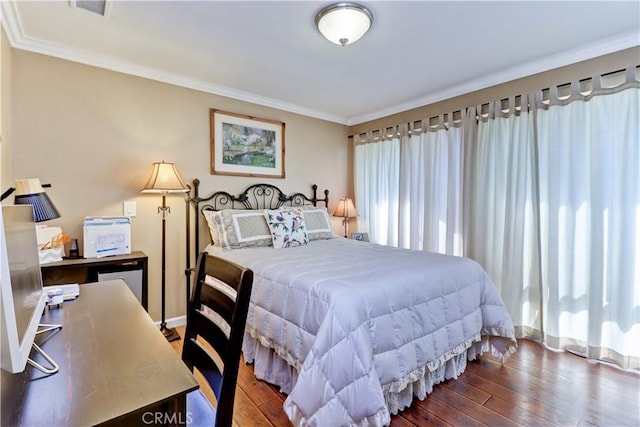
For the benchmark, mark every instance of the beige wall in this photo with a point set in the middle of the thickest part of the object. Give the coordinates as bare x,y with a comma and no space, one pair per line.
5,110
94,134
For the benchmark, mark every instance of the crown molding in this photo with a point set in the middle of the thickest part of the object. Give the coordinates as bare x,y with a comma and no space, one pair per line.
18,40
604,47
10,20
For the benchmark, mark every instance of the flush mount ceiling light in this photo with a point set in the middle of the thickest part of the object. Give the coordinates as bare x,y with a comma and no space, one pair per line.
344,23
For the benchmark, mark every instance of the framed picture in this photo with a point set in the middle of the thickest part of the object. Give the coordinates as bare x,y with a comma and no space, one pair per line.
246,146
363,237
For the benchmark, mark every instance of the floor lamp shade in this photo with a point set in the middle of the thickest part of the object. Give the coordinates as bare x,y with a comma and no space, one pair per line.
30,192
165,179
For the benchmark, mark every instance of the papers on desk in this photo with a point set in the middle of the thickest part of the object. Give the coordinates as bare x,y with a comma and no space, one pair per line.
64,292
106,235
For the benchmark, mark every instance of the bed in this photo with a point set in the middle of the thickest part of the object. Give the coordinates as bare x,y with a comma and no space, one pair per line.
351,331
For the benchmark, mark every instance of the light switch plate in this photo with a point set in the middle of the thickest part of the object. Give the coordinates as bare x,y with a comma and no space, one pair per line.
129,208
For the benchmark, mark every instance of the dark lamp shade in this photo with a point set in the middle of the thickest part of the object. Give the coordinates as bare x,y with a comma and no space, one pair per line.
345,209
164,178
30,192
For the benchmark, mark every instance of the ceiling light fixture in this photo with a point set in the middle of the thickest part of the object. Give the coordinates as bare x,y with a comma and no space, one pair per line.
344,23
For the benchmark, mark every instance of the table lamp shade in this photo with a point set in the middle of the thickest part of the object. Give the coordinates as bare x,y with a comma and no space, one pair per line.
30,192
345,209
165,178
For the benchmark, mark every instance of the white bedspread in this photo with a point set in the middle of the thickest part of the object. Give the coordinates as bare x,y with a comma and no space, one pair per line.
360,322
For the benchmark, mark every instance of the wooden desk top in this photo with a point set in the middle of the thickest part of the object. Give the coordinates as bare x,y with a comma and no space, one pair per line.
113,361
68,262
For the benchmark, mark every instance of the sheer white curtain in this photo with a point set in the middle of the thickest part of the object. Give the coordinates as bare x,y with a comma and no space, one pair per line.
550,193
590,221
377,181
431,187
408,187
500,226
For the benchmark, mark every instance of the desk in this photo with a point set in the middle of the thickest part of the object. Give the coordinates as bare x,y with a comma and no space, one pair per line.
115,367
83,270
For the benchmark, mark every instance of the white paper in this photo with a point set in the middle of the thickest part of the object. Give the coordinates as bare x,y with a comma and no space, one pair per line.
104,236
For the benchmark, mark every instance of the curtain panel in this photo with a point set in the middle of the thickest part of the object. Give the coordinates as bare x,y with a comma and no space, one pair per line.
408,182
377,184
589,184
543,190
501,227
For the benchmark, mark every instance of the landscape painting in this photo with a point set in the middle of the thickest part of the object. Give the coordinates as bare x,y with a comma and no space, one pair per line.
246,146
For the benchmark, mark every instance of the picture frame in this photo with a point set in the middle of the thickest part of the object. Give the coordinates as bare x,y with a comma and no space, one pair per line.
361,237
243,145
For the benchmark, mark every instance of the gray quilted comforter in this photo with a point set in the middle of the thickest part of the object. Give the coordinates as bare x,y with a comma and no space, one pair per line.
360,323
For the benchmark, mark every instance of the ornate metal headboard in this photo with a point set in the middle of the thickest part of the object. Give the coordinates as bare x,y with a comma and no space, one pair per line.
255,197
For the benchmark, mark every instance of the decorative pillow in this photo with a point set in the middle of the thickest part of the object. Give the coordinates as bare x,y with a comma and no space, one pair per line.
242,228
318,222
287,228
213,228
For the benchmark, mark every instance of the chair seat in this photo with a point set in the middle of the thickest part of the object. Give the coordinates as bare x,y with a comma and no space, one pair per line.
200,412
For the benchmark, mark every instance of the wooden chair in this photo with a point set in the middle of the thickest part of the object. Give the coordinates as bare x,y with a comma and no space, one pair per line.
217,314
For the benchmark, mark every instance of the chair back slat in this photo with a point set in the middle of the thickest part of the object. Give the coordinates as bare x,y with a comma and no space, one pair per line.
217,314
218,302
200,357
211,332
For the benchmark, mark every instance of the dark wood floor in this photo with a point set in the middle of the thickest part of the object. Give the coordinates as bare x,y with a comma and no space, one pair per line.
536,387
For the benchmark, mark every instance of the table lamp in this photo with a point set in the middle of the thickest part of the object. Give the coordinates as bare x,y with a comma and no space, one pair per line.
164,180
346,210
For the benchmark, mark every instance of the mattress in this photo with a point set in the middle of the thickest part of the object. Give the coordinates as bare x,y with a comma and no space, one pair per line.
353,331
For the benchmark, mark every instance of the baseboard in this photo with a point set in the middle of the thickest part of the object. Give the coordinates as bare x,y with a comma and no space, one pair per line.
174,322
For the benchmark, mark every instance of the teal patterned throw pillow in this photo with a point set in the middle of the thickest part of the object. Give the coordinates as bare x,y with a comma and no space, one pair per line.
287,228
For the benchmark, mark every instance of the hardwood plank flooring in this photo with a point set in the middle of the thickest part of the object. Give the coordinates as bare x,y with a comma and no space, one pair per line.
536,387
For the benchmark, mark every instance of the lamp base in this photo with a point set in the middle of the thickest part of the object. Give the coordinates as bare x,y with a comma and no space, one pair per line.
170,334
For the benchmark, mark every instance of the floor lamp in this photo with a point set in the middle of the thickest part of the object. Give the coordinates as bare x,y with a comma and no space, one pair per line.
164,180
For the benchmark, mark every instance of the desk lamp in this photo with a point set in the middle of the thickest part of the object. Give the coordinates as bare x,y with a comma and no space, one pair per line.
346,210
164,180
31,192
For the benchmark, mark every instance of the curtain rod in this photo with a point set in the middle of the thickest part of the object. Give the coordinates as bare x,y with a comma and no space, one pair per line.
502,100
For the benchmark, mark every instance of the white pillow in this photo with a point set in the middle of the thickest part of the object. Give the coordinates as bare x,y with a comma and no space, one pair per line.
287,228
318,222
213,228
242,228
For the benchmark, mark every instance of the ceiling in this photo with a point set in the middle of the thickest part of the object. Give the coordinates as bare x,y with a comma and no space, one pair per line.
270,52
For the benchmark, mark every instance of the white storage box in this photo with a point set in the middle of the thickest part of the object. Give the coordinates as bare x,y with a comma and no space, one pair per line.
106,235
51,255
46,235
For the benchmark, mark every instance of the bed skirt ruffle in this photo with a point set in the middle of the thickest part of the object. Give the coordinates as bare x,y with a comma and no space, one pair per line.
270,365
